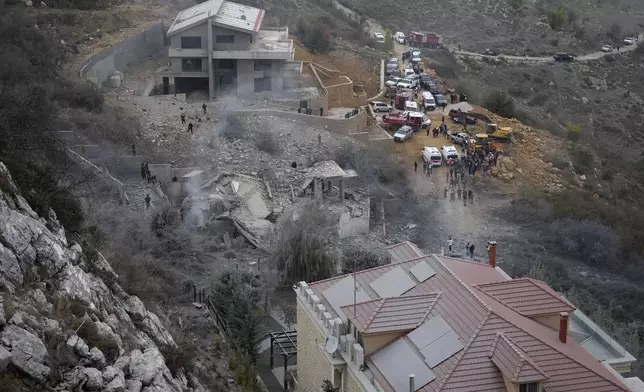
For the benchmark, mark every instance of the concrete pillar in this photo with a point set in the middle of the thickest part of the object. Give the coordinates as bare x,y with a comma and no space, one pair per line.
341,183
211,77
330,186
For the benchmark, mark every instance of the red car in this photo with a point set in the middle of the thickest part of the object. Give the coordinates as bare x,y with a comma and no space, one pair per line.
455,115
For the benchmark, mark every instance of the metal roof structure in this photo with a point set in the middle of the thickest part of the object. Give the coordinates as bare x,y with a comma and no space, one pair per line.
472,318
226,14
391,314
397,361
326,169
527,296
341,294
513,362
393,284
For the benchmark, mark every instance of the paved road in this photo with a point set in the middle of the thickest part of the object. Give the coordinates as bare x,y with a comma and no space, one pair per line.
398,49
584,57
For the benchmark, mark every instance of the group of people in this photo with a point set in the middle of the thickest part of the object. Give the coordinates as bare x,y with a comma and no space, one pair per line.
309,110
204,107
469,247
455,179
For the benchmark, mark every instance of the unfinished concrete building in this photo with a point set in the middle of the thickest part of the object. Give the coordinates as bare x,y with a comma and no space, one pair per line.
218,46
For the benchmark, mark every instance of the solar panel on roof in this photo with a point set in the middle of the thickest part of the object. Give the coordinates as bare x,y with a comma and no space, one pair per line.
341,294
397,361
429,332
441,349
393,284
422,271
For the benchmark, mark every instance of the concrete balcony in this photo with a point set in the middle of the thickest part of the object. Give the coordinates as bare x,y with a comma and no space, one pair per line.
268,45
187,53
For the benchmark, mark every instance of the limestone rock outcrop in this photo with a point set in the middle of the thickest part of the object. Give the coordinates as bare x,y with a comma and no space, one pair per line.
63,327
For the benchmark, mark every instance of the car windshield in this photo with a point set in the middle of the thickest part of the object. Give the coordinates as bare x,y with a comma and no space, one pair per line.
404,81
452,156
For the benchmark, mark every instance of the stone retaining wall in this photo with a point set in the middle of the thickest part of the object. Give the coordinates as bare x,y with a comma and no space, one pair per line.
119,57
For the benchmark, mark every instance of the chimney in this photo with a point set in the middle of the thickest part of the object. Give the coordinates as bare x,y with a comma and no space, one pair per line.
412,388
563,326
491,249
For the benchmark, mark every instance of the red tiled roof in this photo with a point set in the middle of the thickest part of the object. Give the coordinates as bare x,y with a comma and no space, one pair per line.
513,362
526,296
404,251
476,317
403,313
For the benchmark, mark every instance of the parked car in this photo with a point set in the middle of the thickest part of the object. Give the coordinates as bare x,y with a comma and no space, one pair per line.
405,83
429,103
440,100
379,106
399,37
459,138
563,57
433,89
607,48
629,41
380,38
404,133
393,80
415,57
490,52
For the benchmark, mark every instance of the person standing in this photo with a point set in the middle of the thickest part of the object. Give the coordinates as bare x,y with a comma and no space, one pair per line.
472,250
321,111
190,128
470,195
133,150
319,139
142,170
147,202
204,108
183,118
415,166
450,242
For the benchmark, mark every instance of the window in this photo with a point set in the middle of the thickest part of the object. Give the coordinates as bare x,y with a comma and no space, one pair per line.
190,42
530,387
226,64
225,39
261,65
191,65
263,84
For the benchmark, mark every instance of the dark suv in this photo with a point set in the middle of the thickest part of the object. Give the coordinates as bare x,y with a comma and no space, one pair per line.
563,57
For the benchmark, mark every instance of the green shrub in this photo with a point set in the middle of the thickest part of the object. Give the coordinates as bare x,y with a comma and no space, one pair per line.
501,103
304,247
358,259
314,35
557,18
574,130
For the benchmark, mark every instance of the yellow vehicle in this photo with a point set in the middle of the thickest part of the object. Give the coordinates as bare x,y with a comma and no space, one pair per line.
483,140
480,140
499,133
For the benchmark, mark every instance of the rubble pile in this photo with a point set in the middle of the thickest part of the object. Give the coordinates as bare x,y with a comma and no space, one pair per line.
65,323
529,157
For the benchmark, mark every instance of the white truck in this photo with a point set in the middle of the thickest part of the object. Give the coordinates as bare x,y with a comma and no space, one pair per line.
429,103
399,37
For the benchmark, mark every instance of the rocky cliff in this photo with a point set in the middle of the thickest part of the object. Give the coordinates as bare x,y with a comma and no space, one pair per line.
65,323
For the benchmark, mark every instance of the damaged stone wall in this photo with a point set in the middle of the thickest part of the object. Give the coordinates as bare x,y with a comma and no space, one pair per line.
65,323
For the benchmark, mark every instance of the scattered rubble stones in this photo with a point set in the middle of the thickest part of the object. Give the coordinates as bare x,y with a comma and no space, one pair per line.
62,277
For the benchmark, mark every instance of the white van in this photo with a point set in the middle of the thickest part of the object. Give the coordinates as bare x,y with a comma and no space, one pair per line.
450,153
429,103
399,37
431,154
411,106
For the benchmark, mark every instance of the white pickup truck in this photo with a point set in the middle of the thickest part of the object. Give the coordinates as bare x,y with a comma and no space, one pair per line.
450,154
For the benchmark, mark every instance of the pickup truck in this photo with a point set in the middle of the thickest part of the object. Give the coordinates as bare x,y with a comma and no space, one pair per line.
459,138
403,134
455,115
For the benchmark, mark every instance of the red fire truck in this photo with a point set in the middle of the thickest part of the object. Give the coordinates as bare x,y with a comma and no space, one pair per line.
427,40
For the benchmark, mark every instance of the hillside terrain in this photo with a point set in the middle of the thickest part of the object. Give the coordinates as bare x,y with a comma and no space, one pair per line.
513,26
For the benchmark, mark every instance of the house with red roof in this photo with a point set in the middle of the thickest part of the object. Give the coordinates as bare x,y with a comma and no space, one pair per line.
434,323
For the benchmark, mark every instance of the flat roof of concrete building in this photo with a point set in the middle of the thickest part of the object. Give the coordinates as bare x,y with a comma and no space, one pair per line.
226,14
272,41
